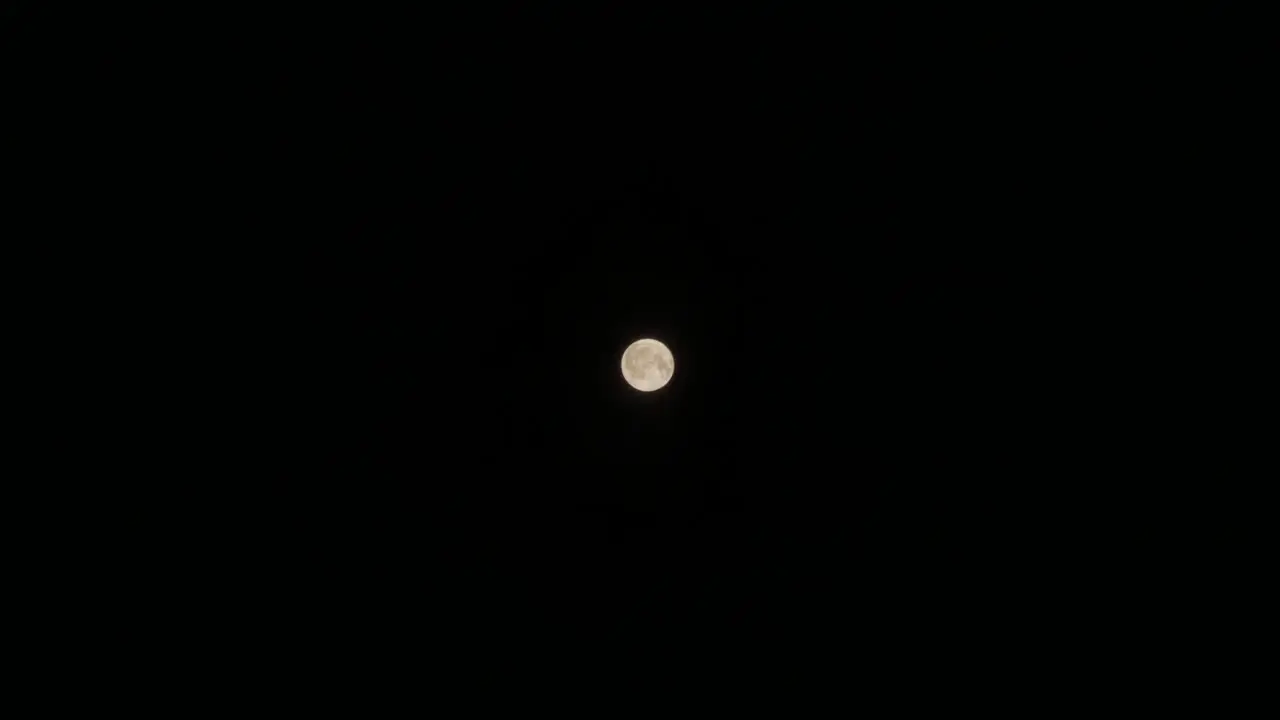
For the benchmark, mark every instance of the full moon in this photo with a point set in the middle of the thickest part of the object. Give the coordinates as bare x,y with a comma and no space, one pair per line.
647,365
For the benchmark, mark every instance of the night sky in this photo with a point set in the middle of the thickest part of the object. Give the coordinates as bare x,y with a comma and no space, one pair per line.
830,234
434,233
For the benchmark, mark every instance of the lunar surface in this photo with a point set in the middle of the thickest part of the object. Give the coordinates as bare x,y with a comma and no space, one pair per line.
647,365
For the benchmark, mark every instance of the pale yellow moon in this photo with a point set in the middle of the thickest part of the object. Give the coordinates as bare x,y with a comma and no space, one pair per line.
647,365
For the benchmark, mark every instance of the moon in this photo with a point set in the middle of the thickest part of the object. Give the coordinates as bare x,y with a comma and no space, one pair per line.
647,365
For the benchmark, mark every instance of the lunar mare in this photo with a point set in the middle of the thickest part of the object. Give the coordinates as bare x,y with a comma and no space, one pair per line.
647,365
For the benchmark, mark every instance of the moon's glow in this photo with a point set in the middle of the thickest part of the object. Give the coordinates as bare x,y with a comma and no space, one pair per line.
647,365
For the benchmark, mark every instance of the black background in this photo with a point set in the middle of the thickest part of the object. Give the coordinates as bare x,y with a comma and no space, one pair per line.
827,229
419,242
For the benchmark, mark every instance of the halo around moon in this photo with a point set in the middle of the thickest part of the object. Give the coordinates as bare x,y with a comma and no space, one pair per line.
647,365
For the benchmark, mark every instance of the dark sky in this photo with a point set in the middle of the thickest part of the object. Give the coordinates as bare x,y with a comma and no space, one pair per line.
829,229
434,233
